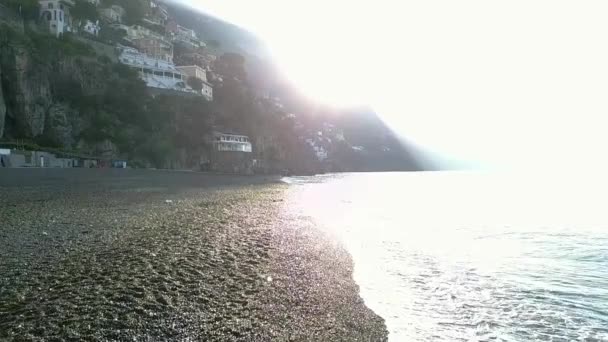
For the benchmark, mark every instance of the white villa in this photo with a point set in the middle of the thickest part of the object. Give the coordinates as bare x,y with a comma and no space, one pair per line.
201,74
155,72
225,142
56,14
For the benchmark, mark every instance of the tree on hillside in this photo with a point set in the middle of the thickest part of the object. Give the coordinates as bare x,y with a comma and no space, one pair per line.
231,65
84,10
195,83
214,43
193,123
135,10
111,35
27,8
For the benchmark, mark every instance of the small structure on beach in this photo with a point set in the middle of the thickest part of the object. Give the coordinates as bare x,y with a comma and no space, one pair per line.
20,157
231,153
119,164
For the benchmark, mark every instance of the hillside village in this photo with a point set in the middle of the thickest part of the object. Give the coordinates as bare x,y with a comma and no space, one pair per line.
241,128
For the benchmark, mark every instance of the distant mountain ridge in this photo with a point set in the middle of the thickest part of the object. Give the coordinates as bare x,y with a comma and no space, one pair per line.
232,37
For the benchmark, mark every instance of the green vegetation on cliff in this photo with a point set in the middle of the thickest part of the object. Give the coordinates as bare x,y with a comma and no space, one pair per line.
28,8
68,93
60,94
81,101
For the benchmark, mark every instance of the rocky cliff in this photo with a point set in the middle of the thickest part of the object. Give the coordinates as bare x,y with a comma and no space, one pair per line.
2,108
26,92
59,93
40,87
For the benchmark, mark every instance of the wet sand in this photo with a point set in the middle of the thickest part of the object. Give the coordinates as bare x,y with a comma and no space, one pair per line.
156,255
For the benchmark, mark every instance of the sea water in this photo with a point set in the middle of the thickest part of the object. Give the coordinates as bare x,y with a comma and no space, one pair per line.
471,256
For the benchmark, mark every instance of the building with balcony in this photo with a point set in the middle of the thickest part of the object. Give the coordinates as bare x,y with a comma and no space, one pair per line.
231,153
227,142
186,37
193,71
201,74
155,48
158,14
148,42
55,16
157,73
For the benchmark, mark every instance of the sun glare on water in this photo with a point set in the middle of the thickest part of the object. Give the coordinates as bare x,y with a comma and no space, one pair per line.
497,83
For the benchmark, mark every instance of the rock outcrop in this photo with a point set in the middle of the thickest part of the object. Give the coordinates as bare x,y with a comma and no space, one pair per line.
36,87
58,126
2,108
26,91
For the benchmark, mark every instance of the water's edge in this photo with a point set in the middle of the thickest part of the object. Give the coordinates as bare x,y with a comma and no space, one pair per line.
116,258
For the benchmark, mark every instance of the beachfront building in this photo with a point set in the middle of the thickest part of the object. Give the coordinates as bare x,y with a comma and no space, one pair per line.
55,16
227,142
231,153
112,14
199,73
157,73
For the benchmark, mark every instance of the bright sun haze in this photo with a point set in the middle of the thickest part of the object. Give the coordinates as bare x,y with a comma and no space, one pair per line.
501,84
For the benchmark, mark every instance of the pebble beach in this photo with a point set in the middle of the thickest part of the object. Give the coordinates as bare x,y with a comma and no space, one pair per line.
157,255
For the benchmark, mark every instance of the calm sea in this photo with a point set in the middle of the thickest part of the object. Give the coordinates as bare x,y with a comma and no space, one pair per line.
465,256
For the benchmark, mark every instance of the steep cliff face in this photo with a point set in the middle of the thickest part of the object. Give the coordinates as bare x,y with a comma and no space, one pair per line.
2,107
26,91
39,87
59,125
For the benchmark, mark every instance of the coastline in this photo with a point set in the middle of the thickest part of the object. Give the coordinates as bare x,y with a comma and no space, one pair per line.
171,256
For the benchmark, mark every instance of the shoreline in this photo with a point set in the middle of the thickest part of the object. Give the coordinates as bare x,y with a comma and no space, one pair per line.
171,257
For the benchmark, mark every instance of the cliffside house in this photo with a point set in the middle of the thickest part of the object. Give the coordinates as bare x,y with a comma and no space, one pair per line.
158,14
188,38
155,48
201,74
157,73
202,59
55,16
112,14
149,42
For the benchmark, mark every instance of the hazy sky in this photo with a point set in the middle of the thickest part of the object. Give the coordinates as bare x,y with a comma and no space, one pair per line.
499,83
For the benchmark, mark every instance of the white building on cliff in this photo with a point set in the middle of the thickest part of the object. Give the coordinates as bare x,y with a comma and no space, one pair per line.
55,15
199,73
157,73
